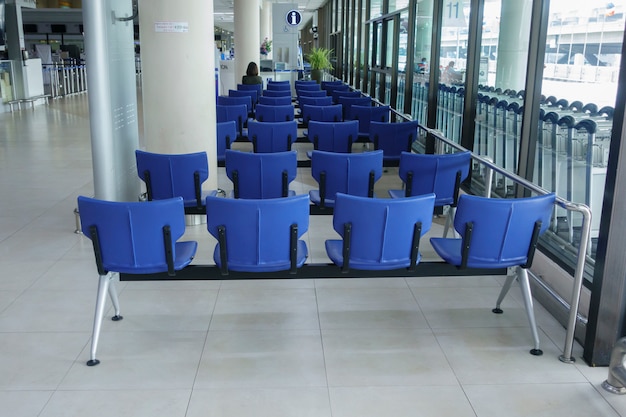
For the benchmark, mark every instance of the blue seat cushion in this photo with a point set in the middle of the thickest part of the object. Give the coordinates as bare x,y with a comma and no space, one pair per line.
264,267
334,249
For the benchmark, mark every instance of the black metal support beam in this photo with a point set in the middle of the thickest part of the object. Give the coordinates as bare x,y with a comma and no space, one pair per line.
312,271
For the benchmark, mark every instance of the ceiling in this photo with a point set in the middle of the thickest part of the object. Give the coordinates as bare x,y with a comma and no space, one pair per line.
223,11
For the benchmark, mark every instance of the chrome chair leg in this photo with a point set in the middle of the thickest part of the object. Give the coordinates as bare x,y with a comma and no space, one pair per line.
504,291
105,286
522,275
114,300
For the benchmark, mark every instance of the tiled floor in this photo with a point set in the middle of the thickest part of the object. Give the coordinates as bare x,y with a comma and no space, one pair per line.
389,347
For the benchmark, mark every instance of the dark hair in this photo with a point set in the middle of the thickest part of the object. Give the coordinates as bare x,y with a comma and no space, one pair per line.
252,69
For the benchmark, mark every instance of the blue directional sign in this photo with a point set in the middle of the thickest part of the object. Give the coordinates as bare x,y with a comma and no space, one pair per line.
293,17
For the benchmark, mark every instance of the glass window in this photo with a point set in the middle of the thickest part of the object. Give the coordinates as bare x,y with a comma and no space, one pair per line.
452,64
583,48
397,5
421,51
376,8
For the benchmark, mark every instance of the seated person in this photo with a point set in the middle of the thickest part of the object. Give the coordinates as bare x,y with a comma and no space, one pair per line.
451,75
252,75
422,67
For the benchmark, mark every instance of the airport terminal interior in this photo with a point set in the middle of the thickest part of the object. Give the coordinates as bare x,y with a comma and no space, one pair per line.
331,346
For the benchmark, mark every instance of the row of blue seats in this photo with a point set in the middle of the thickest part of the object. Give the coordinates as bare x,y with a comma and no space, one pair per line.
268,175
265,235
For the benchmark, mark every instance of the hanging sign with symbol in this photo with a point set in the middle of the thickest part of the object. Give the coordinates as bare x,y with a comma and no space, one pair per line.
293,17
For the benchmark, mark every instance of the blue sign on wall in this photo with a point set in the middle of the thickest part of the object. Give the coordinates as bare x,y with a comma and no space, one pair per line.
293,17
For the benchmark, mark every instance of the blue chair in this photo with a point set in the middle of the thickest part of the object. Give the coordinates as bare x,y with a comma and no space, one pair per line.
236,100
348,102
332,113
175,175
393,138
312,93
313,86
326,84
348,173
236,113
367,114
307,84
334,86
244,93
279,85
275,101
499,233
268,113
439,174
277,93
335,94
261,175
272,136
255,87
379,233
258,235
332,136
315,101
226,134
132,238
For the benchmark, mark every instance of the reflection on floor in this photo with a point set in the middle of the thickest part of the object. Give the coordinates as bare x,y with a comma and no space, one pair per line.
316,347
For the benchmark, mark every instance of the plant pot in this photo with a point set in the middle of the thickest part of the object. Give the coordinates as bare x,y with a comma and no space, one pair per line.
317,75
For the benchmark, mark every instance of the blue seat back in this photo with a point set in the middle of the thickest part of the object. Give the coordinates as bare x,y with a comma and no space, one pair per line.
272,136
279,85
130,234
277,93
275,101
367,114
256,87
226,134
235,100
382,229
236,113
332,113
308,86
348,102
336,86
315,101
333,136
312,93
269,113
257,231
261,175
325,84
335,94
173,175
502,228
424,174
253,94
393,138
346,173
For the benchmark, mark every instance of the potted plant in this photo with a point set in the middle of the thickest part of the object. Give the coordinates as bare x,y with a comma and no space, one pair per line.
319,58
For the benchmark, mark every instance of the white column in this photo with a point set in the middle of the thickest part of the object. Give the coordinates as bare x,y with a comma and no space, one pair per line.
266,20
178,87
513,44
247,35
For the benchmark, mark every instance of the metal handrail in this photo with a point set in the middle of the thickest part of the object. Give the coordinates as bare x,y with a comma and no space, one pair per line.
567,205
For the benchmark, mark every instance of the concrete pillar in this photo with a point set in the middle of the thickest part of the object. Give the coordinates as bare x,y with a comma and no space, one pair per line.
247,35
178,78
513,44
